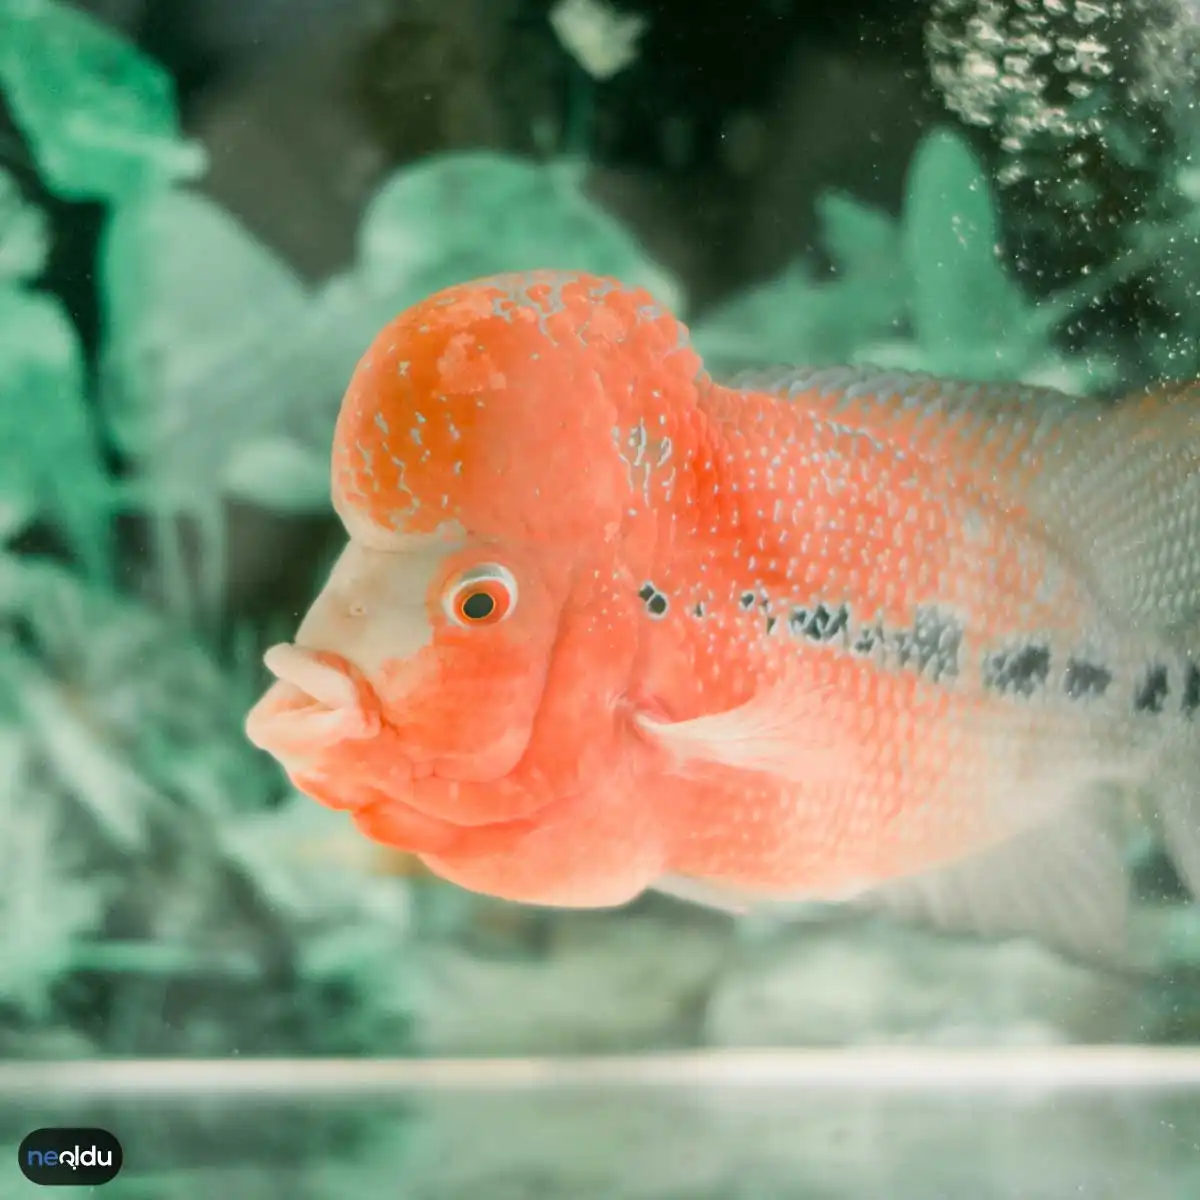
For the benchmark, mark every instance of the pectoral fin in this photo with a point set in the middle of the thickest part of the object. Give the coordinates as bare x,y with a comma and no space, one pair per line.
781,731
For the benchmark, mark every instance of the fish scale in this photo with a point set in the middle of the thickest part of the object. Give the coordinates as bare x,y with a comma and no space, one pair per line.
814,633
909,788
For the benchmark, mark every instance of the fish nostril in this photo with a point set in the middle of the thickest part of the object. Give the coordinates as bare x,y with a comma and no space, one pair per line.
304,671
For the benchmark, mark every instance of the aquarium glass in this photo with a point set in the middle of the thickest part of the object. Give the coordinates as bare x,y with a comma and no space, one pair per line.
208,212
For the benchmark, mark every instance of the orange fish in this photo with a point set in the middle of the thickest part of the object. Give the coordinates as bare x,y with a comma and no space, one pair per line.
604,624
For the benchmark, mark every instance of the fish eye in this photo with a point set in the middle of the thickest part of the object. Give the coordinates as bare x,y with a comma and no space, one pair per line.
484,595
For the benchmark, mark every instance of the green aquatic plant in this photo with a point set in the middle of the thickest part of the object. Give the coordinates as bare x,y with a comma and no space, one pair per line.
154,893
925,291
799,317
98,115
152,861
48,451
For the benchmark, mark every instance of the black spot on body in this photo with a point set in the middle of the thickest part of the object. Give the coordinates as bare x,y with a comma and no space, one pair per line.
698,611
839,624
1152,695
1020,671
932,645
771,623
747,600
868,638
822,624
819,624
1083,679
656,603
1191,690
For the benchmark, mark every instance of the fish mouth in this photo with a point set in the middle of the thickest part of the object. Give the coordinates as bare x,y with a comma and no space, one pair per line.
401,826
316,702
320,702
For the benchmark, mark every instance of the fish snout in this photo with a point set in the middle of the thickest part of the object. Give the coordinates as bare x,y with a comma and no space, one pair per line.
316,702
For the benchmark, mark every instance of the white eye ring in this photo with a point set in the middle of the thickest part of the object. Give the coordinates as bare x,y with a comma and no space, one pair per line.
483,595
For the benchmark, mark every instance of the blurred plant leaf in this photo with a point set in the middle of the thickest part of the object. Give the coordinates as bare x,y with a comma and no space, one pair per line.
98,115
139,823
455,217
927,293
189,294
49,460
969,318
773,322
797,319
24,240
862,241
46,908
279,474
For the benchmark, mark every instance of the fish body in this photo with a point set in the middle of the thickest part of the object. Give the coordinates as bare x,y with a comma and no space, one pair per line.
604,623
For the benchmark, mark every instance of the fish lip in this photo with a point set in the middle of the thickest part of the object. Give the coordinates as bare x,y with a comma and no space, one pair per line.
432,833
319,701
455,840
316,701
328,685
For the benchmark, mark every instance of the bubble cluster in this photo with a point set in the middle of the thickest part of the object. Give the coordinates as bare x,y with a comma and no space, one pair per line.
1167,55
1026,68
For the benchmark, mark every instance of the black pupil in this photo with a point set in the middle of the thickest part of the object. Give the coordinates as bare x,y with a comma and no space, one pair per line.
478,606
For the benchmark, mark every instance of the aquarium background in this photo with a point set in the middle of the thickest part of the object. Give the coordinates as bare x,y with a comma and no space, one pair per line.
207,210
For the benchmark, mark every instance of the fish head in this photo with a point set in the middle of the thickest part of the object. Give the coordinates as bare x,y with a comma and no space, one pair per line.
466,660
437,646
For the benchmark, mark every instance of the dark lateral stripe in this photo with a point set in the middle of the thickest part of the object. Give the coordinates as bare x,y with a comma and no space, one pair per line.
1151,695
932,645
820,623
1020,671
1191,689
1083,679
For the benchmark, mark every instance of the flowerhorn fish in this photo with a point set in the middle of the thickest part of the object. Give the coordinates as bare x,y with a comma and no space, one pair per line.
604,624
